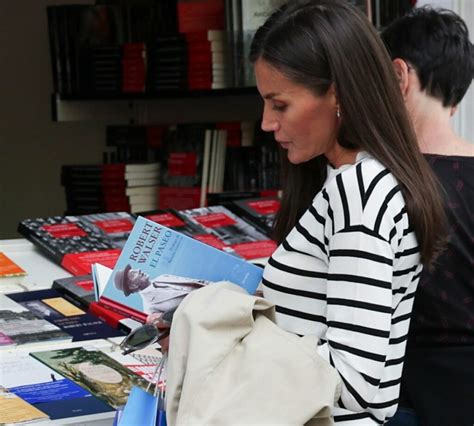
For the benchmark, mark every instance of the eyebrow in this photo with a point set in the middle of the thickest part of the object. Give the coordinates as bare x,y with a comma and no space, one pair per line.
270,95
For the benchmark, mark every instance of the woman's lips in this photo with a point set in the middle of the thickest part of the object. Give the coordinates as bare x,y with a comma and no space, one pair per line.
284,145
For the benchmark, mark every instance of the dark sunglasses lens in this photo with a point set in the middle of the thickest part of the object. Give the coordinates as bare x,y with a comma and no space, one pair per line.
142,336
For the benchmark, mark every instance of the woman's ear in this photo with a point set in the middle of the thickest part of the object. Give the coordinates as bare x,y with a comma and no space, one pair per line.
402,71
332,93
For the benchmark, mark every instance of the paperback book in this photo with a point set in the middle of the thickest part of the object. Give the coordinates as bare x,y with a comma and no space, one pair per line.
101,275
19,326
172,219
226,231
45,389
94,371
8,268
158,266
13,409
76,242
49,305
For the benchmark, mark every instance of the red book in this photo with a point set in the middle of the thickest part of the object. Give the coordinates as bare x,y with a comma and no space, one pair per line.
110,317
200,15
80,263
179,197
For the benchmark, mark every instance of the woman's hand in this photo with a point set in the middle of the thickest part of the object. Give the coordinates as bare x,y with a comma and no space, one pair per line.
163,327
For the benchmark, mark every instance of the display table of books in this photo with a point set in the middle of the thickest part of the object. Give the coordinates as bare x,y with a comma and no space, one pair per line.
59,364
77,285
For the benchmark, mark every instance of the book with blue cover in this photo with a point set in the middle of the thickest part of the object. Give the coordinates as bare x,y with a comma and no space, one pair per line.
158,266
50,306
46,389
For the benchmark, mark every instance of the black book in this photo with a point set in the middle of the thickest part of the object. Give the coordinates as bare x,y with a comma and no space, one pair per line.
51,306
172,219
260,212
79,289
129,136
183,150
227,231
75,242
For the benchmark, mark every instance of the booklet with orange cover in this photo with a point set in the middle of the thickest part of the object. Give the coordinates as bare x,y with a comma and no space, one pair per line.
8,268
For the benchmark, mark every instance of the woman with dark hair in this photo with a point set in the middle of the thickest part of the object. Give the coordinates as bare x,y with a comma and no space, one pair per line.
433,58
360,211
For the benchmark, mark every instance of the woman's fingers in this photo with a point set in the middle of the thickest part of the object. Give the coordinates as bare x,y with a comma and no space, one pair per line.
164,343
163,326
156,320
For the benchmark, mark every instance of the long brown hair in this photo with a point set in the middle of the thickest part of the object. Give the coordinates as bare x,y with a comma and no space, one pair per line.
319,42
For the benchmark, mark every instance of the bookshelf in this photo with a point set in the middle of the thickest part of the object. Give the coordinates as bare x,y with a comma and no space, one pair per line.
172,106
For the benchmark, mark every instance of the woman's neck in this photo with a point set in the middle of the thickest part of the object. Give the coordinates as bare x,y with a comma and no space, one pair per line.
432,123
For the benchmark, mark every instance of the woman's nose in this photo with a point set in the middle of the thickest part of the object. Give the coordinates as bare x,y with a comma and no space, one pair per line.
269,122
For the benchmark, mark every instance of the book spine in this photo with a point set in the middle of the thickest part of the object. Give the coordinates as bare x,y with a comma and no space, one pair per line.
122,310
205,168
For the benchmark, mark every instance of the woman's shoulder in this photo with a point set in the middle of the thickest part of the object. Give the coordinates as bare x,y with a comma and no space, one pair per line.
365,193
366,174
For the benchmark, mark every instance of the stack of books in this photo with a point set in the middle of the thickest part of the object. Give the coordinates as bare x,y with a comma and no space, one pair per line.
167,63
142,186
134,68
203,24
182,169
110,187
220,59
200,56
105,69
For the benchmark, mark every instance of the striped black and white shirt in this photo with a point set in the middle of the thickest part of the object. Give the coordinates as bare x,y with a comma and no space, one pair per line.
347,273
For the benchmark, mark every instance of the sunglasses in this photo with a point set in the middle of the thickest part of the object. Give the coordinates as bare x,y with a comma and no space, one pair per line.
146,335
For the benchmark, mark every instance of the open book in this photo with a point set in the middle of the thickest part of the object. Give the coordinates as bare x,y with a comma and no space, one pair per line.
158,266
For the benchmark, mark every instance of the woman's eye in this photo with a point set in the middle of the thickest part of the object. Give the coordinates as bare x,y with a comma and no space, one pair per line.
278,107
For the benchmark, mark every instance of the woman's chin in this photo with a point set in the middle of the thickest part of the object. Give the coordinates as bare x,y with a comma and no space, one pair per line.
295,159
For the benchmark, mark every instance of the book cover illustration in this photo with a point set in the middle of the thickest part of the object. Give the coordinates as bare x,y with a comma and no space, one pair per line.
8,268
13,409
228,232
45,389
49,305
75,242
19,326
159,266
95,371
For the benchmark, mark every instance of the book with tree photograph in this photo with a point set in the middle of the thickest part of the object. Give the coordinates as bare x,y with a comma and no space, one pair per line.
95,371
45,389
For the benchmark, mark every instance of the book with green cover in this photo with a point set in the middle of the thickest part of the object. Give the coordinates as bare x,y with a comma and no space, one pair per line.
95,371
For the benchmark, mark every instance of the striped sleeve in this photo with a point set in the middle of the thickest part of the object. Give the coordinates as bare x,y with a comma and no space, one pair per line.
359,313
347,273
